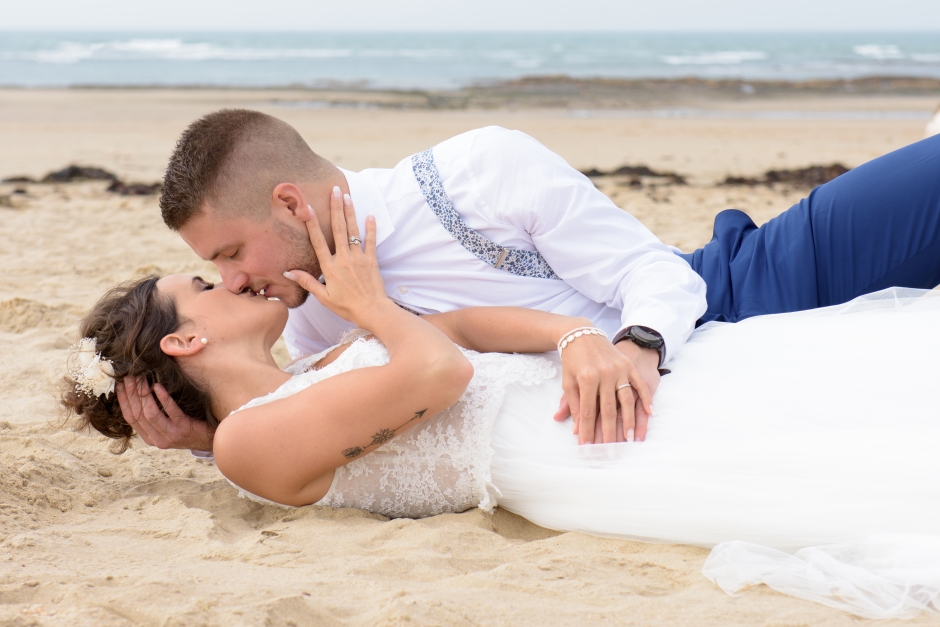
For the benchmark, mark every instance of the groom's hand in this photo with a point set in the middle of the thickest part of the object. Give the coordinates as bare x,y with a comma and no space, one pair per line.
592,371
164,428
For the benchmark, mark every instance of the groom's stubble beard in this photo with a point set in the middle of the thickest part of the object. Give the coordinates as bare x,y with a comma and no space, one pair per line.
300,256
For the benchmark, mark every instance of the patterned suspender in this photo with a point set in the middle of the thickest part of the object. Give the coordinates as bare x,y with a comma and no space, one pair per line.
519,262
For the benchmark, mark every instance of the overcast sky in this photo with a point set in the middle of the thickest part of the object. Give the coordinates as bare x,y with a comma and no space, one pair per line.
489,15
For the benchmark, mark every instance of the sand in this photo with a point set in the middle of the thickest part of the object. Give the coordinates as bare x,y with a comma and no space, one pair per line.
158,538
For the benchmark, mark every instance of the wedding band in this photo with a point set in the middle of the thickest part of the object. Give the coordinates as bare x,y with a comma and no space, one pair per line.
354,241
625,385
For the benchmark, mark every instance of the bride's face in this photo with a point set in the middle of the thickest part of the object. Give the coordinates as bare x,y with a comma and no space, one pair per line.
218,314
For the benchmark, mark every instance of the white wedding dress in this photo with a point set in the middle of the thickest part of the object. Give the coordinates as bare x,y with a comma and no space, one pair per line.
816,432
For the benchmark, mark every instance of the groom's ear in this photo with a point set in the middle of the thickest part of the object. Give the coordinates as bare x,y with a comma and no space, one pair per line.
181,344
287,198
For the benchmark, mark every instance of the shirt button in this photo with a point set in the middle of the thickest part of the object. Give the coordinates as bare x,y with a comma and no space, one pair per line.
402,289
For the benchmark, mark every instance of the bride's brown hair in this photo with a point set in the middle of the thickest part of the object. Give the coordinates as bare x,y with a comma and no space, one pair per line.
127,324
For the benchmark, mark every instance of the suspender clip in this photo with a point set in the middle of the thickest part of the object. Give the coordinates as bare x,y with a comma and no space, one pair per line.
502,257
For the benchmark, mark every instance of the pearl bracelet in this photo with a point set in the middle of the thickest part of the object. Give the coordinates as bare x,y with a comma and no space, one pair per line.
574,334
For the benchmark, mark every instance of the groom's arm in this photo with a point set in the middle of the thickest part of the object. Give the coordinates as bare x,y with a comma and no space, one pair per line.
162,425
594,246
599,250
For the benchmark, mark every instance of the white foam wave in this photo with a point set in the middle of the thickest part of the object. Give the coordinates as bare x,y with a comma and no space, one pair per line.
407,53
172,50
521,59
67,52
925,58
878,51
725,57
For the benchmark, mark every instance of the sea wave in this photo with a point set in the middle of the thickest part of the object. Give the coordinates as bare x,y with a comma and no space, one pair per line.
724,57
168,50
522,59
879,52
448,60
177,50
407,53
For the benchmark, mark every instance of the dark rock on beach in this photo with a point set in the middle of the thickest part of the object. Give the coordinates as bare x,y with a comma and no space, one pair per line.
135,189
636,172
812,176
642,170
742,180
809,177
74,173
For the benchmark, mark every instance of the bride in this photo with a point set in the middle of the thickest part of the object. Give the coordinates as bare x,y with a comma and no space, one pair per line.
754,449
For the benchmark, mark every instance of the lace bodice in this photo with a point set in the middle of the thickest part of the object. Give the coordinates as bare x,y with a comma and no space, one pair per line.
441,465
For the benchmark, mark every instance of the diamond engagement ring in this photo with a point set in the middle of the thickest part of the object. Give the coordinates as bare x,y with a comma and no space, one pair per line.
625,385
354,241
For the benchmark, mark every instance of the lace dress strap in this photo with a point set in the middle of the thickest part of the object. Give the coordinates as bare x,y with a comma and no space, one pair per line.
305,364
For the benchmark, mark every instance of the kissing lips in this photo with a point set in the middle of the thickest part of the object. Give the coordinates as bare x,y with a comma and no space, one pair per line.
264,292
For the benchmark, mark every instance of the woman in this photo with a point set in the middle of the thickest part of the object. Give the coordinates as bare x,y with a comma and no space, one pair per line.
771,431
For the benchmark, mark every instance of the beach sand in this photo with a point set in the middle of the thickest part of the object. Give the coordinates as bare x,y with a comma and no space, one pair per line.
159,538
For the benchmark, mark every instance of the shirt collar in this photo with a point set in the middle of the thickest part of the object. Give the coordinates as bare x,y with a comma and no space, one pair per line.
368,200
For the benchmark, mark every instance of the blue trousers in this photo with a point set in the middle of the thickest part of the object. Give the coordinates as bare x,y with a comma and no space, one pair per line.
874,227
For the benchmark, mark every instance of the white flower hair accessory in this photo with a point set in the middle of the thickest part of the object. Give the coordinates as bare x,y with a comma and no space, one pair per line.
93,374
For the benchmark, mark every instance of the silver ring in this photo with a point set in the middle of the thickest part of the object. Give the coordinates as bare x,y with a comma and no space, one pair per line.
625,385
354,241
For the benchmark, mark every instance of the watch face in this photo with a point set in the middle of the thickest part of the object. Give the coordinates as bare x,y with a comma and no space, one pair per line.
644,336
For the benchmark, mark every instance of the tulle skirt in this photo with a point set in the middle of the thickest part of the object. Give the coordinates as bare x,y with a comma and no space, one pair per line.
775,434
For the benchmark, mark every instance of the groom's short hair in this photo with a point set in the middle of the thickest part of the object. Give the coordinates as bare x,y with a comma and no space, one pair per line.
234,158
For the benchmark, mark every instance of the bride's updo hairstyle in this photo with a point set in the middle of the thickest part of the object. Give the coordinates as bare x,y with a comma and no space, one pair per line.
127,325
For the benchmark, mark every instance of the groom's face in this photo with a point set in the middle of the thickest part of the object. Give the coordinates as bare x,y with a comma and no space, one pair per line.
253,254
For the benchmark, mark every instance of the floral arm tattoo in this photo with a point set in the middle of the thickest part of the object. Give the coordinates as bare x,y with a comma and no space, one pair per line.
381,437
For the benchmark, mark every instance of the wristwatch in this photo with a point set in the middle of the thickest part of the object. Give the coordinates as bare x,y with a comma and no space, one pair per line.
644,337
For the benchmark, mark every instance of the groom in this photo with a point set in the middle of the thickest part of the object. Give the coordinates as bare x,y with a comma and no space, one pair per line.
491,217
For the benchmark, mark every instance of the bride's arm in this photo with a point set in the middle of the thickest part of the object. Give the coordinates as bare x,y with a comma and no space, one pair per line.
286,450
516,330
505,329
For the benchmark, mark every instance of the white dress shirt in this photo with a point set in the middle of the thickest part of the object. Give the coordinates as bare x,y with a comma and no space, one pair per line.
517,193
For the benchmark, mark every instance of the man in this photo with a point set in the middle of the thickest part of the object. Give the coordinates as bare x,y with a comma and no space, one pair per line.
491,217
239,184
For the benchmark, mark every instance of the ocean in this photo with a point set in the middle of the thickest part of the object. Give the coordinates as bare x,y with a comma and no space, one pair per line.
447,60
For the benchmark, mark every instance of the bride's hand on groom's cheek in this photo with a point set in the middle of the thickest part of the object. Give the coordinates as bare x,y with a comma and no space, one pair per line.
352,283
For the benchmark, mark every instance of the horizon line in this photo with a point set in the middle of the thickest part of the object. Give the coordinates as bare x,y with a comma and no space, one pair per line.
335,85
640,31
